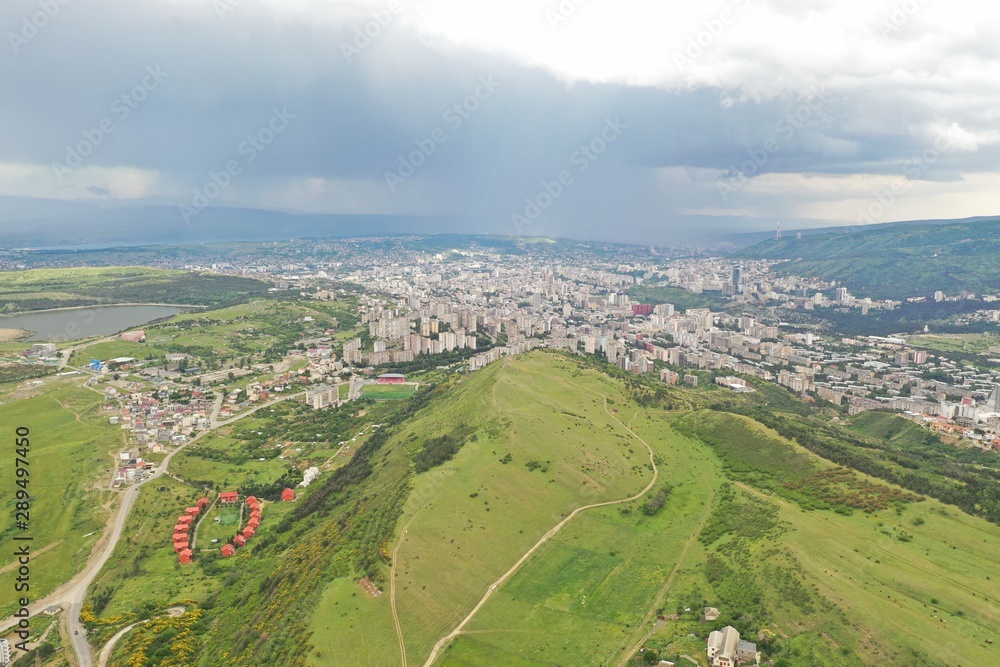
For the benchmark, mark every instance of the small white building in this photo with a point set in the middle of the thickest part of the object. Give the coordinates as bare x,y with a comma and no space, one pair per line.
310,475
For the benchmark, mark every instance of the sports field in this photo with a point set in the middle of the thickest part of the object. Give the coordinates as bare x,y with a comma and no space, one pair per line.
388,392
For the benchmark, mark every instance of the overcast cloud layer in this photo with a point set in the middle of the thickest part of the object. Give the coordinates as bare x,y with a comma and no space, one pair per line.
611,119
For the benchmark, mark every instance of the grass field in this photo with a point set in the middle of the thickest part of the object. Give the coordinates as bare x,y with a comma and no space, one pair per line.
826,588
581,599
68,456
906,585
388,392
475,515
975,342
192,466
255,332
223,530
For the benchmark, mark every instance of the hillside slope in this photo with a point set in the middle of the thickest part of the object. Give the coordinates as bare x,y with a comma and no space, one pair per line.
383,559
894,262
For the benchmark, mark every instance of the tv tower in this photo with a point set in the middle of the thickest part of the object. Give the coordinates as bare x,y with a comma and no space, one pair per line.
777,233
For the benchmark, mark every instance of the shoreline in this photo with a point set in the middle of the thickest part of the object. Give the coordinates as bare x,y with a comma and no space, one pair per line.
8,335
96,305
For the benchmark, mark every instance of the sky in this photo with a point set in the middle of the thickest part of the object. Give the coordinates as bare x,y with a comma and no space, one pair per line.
630,120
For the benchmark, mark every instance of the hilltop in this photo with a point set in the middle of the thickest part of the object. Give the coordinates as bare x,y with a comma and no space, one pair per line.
894,261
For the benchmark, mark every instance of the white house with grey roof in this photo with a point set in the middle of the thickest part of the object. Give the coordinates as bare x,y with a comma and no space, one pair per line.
726,649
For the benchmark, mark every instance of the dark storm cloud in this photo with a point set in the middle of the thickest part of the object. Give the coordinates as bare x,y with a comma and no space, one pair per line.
176,90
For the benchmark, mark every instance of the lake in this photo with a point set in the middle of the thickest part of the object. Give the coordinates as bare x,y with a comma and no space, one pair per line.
74,323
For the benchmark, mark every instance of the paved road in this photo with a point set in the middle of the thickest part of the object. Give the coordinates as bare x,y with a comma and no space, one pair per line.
72,594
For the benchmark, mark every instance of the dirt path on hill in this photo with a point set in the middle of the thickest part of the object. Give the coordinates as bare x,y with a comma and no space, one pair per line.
444,641
392,591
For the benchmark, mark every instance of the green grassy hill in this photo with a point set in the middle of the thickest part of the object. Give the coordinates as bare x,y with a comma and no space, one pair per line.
70,452
820,564
894,261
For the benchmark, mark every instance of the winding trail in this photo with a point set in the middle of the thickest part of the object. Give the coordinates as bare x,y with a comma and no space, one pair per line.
392,590
444,641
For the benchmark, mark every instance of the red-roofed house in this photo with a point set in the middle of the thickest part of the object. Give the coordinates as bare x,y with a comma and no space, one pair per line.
181,528
185,519
229,496
203,503
287,495
239,540
185,556
181,546
228,550
249,532
252,500
192,511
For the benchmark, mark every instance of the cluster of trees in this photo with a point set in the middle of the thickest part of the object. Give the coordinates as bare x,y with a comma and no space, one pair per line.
426,362
270,491
929,467
330,492
655,503
19,372
438,450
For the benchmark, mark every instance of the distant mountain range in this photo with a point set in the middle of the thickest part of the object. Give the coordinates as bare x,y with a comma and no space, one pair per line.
27,222
48,223
895,260
747,239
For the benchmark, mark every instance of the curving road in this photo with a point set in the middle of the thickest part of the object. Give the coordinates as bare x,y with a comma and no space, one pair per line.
72,594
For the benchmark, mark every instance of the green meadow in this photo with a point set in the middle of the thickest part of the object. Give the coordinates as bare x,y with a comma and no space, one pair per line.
387,392
70,453
974,342
818,564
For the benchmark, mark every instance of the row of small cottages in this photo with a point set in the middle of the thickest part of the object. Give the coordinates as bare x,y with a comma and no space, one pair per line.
185,521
